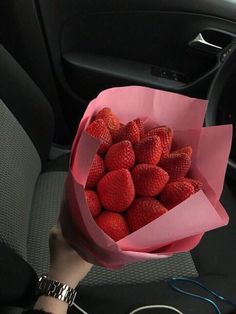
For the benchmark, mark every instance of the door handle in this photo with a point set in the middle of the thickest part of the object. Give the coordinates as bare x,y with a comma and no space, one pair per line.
201,44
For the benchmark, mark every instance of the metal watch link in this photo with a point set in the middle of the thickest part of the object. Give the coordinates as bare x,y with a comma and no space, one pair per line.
56,289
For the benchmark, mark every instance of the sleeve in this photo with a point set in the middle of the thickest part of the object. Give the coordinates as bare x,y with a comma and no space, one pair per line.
18,280
35,312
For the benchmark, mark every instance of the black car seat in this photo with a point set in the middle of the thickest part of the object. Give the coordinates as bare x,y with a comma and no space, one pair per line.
31,190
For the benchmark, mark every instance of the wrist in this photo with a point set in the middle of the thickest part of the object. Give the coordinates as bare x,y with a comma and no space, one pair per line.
64,278
55,291
69,274
51,305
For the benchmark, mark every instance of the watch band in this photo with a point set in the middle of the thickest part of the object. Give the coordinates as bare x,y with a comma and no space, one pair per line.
57,290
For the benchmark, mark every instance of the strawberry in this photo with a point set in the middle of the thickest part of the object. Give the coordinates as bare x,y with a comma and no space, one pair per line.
175,193
116,135
142,211
113,224
149,180
129,132
148,150
111,121
186,150
176,165
96,172
166,136
99,130
116,190
140,125
120,155
93,202
195,183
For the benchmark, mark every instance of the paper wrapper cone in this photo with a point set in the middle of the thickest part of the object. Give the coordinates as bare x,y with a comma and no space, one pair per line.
180,229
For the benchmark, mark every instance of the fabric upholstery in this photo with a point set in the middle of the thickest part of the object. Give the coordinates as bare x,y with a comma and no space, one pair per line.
27,103
20,166
59,164
144,272
45,209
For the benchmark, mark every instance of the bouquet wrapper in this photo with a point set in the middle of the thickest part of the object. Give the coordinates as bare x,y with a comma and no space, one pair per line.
180,229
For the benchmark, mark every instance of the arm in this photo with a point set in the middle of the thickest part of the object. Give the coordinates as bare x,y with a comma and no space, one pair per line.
66,266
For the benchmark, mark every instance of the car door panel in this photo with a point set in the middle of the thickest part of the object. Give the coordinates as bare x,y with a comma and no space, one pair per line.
117,44
95,45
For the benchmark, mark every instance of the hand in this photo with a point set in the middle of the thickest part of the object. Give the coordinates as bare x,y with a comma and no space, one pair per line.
66,266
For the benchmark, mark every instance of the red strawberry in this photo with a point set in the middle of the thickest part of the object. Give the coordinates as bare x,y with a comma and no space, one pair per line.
177,165
195,183
96,172
129,132
149,180
175,193
116,190
140,125
99,130
166,136
120,156
186,150
142,211
111,121
93,202
116,135
148,150
113,224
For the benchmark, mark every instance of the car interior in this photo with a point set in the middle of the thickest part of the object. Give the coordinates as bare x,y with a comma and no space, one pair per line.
55,57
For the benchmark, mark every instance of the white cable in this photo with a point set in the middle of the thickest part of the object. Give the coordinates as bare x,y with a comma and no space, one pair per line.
140,308
156,307
79,308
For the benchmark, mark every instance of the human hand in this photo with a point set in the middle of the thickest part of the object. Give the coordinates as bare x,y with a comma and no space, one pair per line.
66,266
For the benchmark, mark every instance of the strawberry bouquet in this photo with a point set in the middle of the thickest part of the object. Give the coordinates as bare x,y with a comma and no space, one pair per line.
145,177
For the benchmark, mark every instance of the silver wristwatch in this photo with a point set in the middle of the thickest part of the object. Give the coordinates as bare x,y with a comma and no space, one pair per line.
56,289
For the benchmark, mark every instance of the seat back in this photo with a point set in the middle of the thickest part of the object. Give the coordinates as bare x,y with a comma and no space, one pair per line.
26,132
27,103
20,166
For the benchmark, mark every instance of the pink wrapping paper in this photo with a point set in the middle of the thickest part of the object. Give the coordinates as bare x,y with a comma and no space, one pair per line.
180,229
